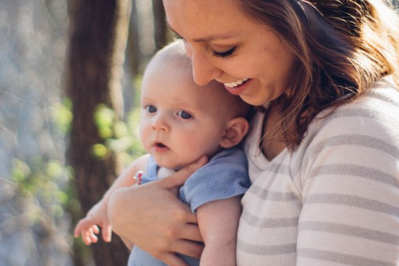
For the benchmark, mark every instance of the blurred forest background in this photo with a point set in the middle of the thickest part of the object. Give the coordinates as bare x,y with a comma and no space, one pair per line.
64,59
70,73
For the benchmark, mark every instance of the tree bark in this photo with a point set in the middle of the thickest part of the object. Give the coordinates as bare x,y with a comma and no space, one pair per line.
97,46
160,26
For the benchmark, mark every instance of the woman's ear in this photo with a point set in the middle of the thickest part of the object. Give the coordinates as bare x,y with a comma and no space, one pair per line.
235,131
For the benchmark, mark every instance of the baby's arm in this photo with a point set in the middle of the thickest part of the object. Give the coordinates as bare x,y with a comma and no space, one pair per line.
218,223
97,216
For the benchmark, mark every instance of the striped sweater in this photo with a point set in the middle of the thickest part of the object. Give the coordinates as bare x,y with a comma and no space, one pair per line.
335,200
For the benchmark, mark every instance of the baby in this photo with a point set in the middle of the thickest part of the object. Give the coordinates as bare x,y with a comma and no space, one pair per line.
179,123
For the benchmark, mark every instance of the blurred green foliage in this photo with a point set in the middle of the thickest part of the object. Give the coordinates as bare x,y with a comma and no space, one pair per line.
50,182
44,181
119,137
62,116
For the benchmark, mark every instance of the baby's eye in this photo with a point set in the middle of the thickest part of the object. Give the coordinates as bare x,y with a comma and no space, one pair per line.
184,115
151,109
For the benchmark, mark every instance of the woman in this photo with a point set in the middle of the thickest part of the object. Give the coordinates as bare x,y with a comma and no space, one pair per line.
324,147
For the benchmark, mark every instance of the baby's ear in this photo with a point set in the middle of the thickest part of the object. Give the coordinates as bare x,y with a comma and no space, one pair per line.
235,131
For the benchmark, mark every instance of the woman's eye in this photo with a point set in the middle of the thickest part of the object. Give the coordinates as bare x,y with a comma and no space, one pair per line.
225,54
151,109
184,115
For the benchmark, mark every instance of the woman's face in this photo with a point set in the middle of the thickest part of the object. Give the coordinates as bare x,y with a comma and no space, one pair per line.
225,45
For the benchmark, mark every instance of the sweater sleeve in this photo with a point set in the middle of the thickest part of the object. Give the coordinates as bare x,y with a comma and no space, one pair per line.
350,186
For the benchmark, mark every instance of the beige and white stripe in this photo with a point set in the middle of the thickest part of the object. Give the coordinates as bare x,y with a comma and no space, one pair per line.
335,200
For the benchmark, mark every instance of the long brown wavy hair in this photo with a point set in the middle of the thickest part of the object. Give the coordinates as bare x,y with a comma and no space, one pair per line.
342,47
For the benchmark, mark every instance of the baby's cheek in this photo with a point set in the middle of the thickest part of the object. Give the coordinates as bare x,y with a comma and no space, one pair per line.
203,147
191,147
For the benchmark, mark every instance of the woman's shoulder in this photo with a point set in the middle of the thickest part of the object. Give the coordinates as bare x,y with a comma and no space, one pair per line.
358,141
371,121
382,96
374,111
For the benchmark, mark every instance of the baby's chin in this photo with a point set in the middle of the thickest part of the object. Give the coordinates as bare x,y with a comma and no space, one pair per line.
166,162
171,166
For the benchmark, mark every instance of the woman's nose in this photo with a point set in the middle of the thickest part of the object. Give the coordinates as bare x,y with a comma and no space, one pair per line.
204,69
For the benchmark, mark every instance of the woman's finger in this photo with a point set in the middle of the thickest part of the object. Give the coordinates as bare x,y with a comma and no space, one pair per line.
178,179
172,259
191,232
191,217
188,248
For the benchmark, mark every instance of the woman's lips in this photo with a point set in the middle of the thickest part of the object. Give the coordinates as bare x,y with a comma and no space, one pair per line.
237,90
235,83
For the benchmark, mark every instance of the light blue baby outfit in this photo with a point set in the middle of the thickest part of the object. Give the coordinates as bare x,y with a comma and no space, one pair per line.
223,177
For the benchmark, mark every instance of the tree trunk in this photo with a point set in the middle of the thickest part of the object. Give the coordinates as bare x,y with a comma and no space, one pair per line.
160,26
97,45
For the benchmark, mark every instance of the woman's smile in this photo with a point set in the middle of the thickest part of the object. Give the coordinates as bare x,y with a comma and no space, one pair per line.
237,88
255,64
236,83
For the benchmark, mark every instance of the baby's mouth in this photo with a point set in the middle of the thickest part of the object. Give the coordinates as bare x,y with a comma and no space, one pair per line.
160,145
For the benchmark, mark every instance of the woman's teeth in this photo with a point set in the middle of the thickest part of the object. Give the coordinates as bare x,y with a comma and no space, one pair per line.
235,84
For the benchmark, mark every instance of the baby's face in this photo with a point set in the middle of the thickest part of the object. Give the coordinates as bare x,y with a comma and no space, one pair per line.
180,121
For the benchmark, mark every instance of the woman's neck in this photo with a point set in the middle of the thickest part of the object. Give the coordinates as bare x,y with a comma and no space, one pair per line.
272,143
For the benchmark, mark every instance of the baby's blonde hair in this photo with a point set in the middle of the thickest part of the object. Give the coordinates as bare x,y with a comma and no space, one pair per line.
174,56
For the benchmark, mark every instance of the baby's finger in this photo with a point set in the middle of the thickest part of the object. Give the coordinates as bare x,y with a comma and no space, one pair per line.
92,238
78,229
77,232
83,224
107,232
86,237
95,229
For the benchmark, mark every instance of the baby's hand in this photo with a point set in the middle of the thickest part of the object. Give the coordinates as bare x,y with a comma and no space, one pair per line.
88,226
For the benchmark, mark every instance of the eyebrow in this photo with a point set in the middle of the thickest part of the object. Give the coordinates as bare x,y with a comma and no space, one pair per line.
208,38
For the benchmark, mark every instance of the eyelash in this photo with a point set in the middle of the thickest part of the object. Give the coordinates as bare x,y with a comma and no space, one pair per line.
225,54
216,54
178,37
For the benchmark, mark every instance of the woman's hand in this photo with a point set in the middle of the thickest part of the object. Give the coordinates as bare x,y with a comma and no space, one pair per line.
151,217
